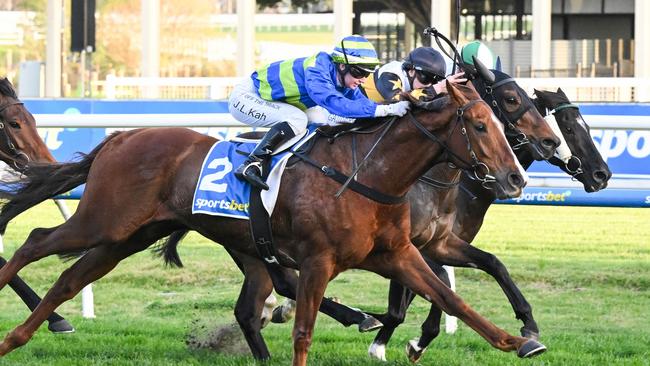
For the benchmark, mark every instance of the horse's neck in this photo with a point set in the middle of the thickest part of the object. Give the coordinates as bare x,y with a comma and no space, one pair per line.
474,200
403,156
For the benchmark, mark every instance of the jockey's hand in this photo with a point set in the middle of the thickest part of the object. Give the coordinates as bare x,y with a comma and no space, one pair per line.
457,78
395,109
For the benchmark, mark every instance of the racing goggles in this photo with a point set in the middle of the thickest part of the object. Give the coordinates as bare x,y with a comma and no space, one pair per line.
427,78
358,72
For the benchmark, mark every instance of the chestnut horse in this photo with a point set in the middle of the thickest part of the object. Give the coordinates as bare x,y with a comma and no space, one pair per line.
316,233
19,143
446,219
525,130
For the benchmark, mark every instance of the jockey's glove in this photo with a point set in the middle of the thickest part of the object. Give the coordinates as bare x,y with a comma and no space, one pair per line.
395,109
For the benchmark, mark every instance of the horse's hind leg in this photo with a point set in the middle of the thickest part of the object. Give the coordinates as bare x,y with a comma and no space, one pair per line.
92,266
79,233
431,326
57,324
40,243
256,288
399,299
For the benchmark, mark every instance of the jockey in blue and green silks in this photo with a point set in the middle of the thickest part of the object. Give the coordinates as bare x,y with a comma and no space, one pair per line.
322,89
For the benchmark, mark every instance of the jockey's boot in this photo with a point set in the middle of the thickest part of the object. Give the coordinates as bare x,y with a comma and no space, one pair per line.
251,169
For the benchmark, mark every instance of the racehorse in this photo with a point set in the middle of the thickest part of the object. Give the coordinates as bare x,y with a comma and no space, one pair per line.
525,129
317,233
19,143
443,234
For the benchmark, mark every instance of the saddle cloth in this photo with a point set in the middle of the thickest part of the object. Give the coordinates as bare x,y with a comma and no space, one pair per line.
218,192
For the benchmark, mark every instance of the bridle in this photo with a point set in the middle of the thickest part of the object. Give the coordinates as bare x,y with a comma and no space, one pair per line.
511,124
511,130
13,151
569,158
479,170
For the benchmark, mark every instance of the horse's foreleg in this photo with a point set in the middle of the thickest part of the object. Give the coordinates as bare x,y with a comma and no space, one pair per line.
399,299
256,288
285,282
408,267
93,265
314,276
461,253
57,323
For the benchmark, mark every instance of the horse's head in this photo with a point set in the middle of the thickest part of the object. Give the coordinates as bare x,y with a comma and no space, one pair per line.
577,155
525,127
475,141
19,140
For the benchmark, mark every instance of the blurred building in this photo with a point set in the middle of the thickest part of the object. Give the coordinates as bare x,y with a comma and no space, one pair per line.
588,37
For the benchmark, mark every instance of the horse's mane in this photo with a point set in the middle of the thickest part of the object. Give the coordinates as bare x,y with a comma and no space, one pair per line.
7,89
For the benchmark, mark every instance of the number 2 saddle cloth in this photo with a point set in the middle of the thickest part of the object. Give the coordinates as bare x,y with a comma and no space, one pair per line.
218,192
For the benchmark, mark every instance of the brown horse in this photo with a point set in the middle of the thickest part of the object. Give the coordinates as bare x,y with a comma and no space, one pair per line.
432,212
19,143
443,234
316,233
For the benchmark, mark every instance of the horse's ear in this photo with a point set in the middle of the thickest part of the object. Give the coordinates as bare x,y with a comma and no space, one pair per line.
483,71
456,94
559,91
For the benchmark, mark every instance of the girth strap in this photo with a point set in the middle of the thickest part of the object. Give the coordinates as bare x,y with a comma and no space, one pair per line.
353,184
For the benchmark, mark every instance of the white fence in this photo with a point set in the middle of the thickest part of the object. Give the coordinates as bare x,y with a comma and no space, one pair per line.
577,89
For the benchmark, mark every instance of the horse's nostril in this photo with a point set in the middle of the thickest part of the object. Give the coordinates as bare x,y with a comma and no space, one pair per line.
516,180
600,176
550,143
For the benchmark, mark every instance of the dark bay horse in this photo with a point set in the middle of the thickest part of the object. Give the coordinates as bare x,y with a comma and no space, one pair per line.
443,234
525,129
316,233
19,143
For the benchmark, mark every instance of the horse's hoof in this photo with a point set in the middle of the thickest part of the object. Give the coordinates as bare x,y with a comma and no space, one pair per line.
530,348
60,327
284,312
377,351
527,333
369,324
413,351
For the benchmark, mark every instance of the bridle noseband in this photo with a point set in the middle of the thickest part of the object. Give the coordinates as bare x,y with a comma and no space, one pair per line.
13,151
574,172
511,127
479,170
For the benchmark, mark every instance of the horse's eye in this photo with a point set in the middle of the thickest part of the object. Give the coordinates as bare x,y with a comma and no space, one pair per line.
511,100
569,130
480,127
14,124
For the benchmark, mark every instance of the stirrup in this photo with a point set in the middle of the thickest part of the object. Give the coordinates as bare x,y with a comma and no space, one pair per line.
252,173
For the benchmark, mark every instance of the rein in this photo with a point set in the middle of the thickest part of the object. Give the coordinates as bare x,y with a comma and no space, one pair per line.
365,158
14,152
480,170
521,138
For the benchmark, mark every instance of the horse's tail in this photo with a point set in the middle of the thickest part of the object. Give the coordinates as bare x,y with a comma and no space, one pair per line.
40,181
167,249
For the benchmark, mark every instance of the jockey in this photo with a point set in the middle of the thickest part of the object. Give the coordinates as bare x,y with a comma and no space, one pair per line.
482,52
422,73
323,88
